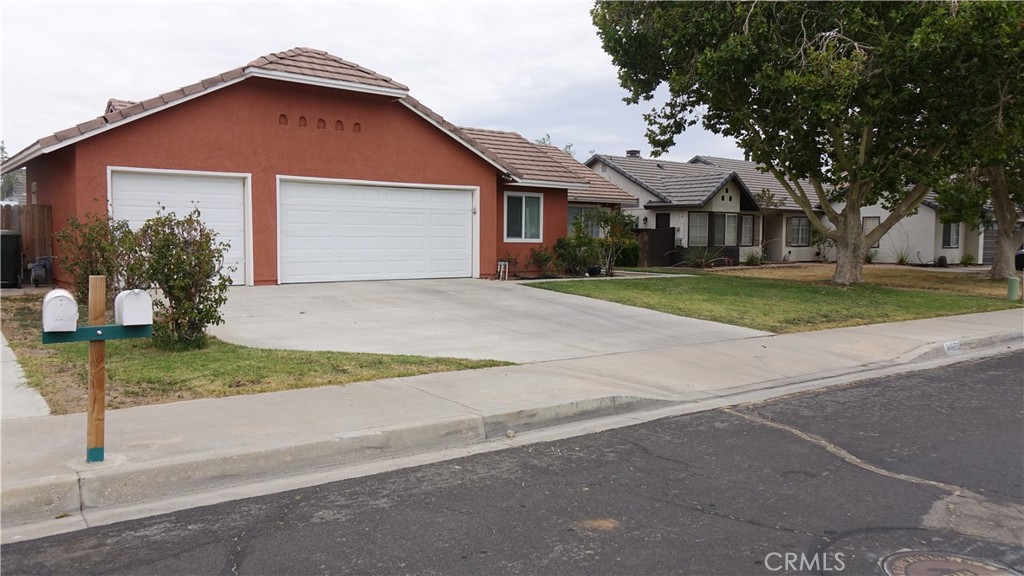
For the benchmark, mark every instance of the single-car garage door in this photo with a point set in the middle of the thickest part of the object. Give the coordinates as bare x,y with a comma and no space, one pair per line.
339,231
137,196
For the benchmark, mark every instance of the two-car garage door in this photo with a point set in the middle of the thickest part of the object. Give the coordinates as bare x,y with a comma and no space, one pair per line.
327,231
336,231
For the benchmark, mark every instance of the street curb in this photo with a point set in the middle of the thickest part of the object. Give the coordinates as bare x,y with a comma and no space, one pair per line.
68,496
54,504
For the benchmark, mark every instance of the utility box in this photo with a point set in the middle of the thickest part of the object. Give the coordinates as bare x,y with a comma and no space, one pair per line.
60,311
133,308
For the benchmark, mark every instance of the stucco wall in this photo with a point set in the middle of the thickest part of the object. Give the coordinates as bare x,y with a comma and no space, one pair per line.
554,225
240,129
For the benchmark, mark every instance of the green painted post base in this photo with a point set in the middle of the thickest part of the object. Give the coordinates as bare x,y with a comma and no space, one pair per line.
94,454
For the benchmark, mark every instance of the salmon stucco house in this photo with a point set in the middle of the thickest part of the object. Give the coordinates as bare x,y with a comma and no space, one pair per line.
315,169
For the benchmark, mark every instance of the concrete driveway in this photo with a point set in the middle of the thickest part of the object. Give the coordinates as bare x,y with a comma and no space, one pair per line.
463,318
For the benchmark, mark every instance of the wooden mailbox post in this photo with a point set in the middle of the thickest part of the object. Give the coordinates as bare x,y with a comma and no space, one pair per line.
59,326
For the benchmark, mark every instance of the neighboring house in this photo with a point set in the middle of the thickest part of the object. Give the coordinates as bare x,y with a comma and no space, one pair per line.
315,169
695,198
707,207
917,239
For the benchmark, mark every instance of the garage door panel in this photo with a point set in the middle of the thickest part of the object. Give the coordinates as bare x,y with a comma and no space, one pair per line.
139,196
376,232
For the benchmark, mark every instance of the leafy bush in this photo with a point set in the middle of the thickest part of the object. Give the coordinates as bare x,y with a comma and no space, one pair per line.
823,243
967,259
630,255
94,246
754,258
617,235
186,262
576,252
543,259
870,256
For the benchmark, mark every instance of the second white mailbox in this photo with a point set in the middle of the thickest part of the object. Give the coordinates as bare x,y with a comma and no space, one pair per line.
133,308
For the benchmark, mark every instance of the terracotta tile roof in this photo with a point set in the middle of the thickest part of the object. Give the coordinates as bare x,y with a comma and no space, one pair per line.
527,161
304,62
599,190
320,64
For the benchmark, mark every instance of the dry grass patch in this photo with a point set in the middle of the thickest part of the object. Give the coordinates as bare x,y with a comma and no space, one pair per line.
968,281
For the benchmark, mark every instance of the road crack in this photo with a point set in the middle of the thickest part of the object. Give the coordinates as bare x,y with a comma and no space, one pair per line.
961,511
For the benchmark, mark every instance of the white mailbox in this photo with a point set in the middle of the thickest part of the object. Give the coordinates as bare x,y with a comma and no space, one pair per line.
60,311
133,308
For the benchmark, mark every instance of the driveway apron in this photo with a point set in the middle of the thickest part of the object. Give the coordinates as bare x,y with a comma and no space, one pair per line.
463,318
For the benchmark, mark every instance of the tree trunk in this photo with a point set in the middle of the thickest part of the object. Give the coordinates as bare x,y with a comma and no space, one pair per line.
849,247
1006,248
1006,218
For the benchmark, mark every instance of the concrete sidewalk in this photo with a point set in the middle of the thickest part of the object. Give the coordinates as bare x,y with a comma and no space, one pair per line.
176,455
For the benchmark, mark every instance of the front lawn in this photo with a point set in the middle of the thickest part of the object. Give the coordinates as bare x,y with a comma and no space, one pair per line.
139,374
780,306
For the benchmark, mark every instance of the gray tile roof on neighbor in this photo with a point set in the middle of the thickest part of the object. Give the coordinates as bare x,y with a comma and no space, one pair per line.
675,183
599,190
525,159
753,177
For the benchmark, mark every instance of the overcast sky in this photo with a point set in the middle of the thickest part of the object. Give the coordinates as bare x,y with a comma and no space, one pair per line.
535,68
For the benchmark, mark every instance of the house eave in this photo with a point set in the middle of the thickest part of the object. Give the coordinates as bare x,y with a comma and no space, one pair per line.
551,184
325,82
583,199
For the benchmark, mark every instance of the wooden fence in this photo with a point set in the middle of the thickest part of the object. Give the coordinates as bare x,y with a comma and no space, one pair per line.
35,226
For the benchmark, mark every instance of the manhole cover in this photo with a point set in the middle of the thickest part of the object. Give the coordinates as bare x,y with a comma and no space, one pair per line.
928,563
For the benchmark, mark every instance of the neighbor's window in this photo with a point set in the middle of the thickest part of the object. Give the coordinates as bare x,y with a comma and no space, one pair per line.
578,213
799,231
698,230
951,235
523,213
747,230
724,230
870,223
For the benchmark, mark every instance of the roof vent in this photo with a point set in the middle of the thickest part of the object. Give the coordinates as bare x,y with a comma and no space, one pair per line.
633,153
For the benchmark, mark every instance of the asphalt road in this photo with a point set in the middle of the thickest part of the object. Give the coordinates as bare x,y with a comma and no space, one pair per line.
840,478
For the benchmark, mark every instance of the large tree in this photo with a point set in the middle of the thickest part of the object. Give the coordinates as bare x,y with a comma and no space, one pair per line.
833,98
988,187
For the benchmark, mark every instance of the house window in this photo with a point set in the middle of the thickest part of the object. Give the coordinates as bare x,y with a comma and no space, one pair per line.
799,231
523,214
951,235
747,230
579,213
698,230
724,231
870,223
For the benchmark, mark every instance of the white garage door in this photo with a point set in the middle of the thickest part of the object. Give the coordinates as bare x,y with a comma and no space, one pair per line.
136,197
337,232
